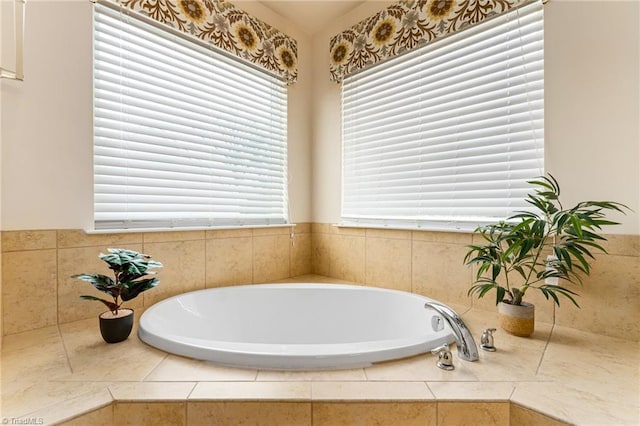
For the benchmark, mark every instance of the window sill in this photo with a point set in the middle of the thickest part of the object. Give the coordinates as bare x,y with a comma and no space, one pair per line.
183,229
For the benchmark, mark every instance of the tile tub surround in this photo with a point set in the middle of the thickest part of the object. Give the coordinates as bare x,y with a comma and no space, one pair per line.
64,375
38,291
428,263
431,264
579,369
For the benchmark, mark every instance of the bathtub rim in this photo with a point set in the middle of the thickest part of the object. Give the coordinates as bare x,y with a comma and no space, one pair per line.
295,356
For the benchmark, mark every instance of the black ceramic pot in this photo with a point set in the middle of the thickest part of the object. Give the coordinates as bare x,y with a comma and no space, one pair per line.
115,329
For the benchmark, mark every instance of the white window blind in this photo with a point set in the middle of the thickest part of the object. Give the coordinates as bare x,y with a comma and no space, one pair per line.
446,136
184,136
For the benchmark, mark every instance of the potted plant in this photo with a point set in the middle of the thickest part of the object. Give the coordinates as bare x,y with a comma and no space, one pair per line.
131,276
534,250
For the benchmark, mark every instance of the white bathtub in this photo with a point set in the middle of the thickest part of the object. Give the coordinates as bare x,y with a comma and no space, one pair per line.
294,326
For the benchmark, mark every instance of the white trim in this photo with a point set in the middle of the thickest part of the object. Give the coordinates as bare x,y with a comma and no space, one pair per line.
18,14
93,231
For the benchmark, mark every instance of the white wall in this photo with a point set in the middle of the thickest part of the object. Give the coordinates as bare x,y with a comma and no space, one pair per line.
592,136
592,111
47,123
3,24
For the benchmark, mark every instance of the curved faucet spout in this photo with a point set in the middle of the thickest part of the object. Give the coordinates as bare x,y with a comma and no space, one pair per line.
467,349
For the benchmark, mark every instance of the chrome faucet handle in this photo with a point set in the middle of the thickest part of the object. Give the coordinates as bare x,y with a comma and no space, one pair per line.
486,341
440,349
445,359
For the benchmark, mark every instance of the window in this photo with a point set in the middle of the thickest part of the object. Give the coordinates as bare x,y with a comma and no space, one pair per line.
184,136
446,136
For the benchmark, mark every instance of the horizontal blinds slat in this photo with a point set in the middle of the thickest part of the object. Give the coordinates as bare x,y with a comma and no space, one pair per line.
453,83
418,180
186,159
195,104
464,94
469,64
142,203
478,38
443,190
203,174
177,77
442,121
183,136
471,129
379,166
160,141
121,28
204,196
159,118
197,223
106,125
449,133
407,144
174,185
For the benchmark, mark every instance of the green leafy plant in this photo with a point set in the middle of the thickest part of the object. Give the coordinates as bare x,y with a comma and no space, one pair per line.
131,276
549,242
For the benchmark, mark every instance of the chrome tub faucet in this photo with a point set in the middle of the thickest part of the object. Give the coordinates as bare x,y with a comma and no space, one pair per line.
467,349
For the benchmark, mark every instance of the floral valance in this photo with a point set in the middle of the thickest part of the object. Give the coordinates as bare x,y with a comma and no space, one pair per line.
405,26
225,26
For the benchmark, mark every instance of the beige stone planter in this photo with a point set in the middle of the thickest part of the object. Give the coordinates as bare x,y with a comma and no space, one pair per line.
517,319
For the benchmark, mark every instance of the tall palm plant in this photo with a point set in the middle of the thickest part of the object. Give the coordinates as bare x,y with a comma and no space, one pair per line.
538,248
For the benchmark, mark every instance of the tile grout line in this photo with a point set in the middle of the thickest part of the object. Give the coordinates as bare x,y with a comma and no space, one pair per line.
435,398
205,245
411,240
195,384
64,346
509,398
546,346
253,260
58,288
364,269
144,379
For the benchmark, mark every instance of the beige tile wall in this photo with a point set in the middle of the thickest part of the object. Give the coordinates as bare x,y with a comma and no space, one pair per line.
431,264
428,263
300,413
1,334
525,417
38,291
